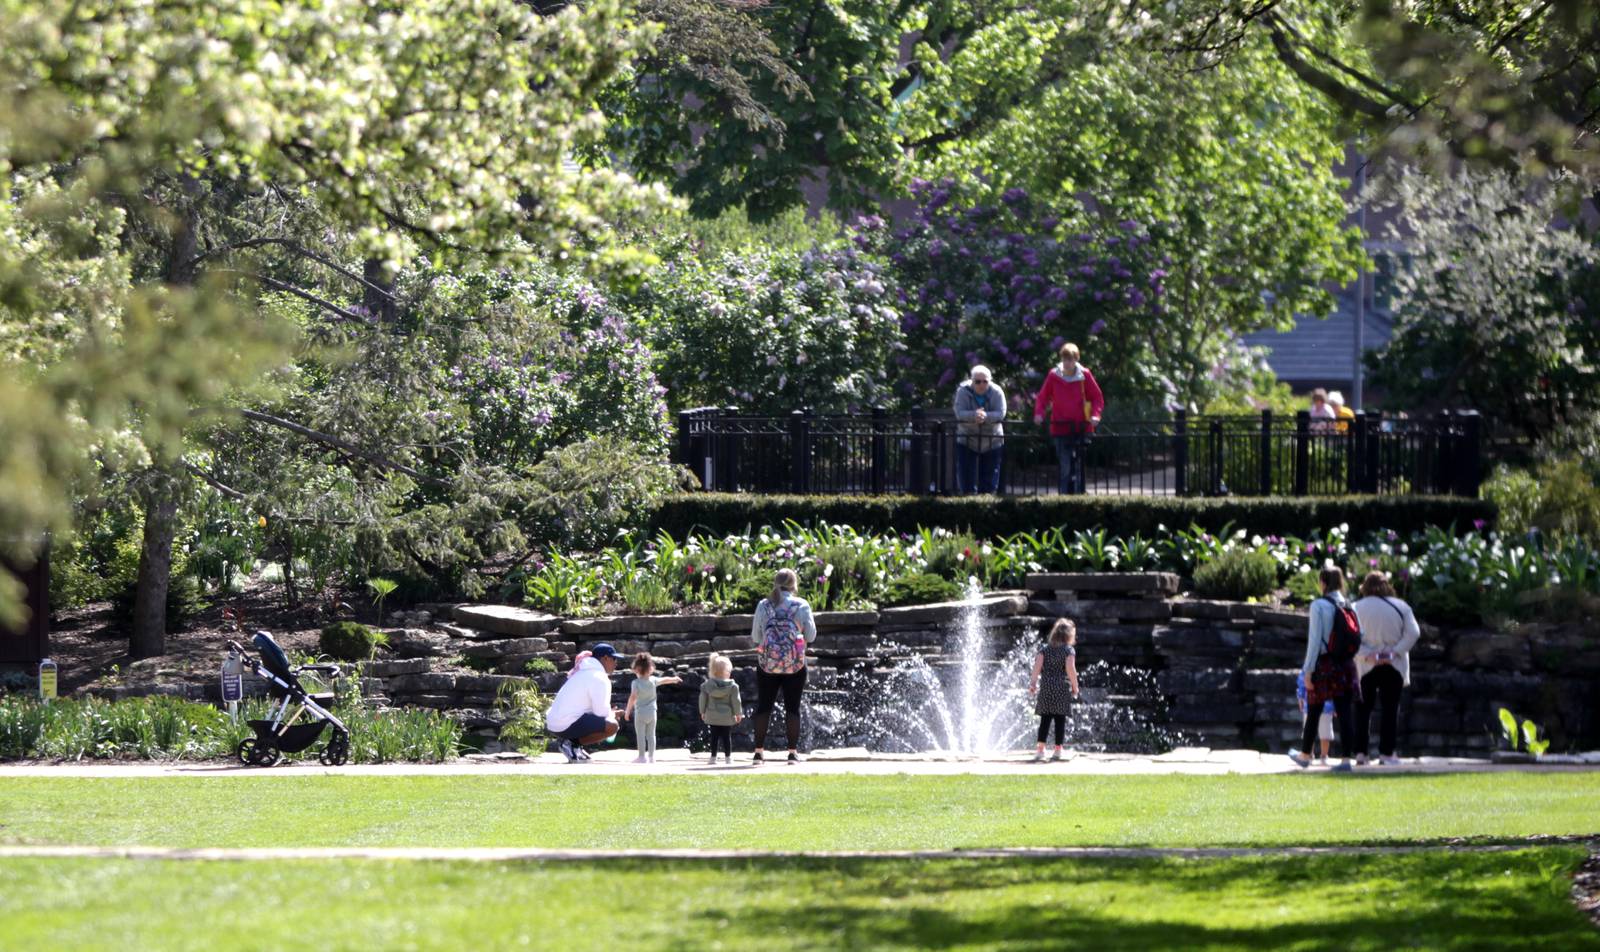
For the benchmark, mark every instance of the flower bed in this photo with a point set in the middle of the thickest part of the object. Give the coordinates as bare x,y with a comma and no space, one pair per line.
1456,577
166,728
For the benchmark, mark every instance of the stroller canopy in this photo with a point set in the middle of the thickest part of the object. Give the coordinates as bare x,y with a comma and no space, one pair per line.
273,657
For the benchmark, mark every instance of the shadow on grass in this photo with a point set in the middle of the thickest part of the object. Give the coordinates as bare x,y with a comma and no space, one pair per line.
1439,900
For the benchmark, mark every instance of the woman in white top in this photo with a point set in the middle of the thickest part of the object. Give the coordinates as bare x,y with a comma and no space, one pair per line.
1389,630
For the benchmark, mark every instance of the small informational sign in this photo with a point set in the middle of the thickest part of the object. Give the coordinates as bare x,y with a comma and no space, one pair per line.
232,679
47,679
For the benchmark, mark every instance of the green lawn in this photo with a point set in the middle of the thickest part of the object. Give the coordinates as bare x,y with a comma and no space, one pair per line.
1434,900
794,811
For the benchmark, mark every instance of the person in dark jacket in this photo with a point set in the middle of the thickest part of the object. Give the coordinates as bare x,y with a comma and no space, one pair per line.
980,407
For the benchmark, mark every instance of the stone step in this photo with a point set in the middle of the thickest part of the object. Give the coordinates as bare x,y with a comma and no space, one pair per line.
506,620
1104,582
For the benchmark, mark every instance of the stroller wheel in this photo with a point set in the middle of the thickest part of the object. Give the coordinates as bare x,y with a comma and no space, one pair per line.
266,756
337,752
246,751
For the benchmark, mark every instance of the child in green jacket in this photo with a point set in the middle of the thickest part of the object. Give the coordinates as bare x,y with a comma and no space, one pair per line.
720,706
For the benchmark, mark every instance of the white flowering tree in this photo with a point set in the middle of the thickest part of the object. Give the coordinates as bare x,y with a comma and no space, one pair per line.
156,149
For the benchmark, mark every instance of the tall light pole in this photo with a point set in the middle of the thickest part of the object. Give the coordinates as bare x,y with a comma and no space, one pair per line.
1356,372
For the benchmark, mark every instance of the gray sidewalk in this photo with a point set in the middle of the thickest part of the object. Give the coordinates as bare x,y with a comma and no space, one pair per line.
1196,761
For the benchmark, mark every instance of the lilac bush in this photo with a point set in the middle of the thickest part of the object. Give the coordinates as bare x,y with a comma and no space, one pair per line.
1006,283
771,331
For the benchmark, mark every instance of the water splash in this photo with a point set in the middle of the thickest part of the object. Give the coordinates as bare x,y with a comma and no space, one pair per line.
969,698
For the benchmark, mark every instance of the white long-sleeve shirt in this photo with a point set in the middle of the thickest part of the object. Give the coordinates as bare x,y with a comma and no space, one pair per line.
587,692
1387,624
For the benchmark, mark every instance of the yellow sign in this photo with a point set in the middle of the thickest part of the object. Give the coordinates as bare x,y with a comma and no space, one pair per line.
47,679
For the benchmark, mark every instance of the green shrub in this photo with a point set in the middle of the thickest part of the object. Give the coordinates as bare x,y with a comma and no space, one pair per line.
924,588
349,641
745,593
523,707
1237,574
1304,588
647,594
539,666
951,555
1559,498
727,513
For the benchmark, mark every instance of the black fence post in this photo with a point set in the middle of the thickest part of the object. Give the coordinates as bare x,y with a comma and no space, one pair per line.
1469,461
685,455
1266,453
1302,452
1355,455
732,445
1441,479
1214,480
940,459
799,476
1374,453
1180,452
880,450
919,450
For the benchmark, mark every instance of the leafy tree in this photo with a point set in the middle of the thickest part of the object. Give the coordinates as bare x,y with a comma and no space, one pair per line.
1495,306
1502,80
1005,284
127,126
1230,169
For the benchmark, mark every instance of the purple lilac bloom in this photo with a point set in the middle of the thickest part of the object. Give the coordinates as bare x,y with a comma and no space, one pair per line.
1014,195
1097,327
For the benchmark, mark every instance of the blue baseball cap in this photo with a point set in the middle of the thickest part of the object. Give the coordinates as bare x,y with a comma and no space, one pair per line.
603,650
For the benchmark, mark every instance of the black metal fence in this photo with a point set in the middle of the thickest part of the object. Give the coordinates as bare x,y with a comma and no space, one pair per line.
1186,455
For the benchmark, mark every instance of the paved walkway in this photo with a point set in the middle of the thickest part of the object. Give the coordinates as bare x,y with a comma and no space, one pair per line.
1197,761
496,854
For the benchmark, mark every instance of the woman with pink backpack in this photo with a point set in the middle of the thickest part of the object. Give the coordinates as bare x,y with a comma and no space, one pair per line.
780,630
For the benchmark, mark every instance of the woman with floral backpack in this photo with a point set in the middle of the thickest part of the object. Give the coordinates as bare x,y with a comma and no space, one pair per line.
1333,638
780,630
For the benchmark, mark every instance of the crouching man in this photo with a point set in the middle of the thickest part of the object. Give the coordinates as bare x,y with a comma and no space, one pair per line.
581,713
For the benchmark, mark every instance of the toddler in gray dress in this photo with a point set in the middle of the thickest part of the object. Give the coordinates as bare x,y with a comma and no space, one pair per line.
642,705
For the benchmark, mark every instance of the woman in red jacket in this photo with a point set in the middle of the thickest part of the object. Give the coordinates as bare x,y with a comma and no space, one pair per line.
1075,404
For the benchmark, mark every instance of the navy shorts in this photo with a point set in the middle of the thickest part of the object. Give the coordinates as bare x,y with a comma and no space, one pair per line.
585,725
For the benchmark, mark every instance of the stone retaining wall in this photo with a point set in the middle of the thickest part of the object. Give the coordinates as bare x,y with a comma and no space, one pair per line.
1225,670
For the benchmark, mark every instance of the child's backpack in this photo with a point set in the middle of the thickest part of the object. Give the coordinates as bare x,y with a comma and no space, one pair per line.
781,652
1344,639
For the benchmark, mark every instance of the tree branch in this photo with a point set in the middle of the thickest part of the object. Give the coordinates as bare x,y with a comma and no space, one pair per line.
1350,99
212,481
342,445
284,286
298,249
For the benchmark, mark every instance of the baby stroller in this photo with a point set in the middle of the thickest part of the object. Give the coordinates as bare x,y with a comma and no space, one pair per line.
281,735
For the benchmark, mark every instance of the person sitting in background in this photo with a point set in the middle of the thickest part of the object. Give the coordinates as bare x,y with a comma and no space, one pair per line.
980,435
1342,415
1322,412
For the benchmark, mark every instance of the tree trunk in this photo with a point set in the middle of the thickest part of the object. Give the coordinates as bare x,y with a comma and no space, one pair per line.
149,637
377,297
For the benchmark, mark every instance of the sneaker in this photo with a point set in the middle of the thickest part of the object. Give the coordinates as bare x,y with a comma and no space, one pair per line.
566,751
1057,755
641,759
1361,760
1389,760
757,758
583,755
794,758
651,759
1323,761
1342,766
1300,760
1037,758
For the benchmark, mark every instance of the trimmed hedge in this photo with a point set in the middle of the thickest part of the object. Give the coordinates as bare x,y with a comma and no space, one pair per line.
987,517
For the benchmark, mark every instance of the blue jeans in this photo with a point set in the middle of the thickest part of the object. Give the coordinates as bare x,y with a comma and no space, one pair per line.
1070,451
977,472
